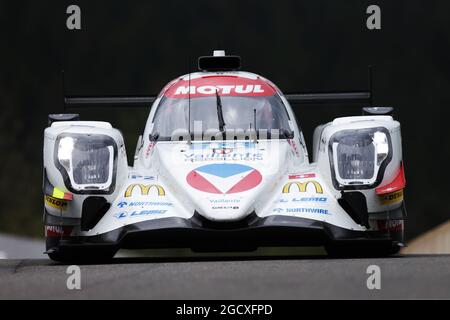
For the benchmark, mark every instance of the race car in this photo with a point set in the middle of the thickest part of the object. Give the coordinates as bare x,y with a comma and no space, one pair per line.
222,165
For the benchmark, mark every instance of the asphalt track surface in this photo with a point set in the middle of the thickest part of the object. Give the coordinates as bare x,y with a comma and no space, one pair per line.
305,277
16,247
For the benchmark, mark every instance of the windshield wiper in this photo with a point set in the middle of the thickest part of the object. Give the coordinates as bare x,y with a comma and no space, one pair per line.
220,112
255,140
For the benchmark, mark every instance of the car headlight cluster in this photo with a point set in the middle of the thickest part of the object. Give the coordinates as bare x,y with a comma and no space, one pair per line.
358,157
87,162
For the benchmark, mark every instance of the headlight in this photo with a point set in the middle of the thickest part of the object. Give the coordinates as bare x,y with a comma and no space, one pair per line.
87,162
358,157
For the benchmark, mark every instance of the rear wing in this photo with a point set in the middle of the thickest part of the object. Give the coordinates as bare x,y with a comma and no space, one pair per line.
335,97
145,101
330,97
71,102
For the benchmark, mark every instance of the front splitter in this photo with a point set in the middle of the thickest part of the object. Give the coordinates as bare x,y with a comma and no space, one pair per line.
201,235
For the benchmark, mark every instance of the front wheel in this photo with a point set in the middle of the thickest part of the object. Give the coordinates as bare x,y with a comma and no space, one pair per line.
84,255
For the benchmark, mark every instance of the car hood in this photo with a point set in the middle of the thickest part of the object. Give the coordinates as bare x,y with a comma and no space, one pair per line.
222,180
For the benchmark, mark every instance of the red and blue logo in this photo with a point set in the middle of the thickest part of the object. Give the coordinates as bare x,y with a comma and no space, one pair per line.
224,178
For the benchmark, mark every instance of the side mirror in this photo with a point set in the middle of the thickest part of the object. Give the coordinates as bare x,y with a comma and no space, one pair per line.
377,111
153,136
62,117
288,134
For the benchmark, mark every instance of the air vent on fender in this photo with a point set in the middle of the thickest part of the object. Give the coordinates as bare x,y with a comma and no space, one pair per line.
94,208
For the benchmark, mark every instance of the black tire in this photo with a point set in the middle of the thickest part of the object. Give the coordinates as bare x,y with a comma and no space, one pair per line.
361,250
78,255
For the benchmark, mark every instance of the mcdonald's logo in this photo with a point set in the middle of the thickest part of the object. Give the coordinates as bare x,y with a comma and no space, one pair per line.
302,186
145,189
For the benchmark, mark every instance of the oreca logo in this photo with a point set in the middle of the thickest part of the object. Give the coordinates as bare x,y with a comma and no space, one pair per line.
145,189
221,89
302,186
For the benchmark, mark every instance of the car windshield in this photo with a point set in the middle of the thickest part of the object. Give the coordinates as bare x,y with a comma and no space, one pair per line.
239,113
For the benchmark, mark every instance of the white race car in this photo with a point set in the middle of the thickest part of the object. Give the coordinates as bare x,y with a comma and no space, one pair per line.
222,166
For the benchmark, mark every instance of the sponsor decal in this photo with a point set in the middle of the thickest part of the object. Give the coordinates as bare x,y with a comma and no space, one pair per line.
302,186
392,197
55,203
307,210
139,177
223,151
224,85
390,225
121,215
59,194
224,178
225,207
302,176
222,148
233,156
123,204
145,189
278,210
58,231
310,199
218,201
210,145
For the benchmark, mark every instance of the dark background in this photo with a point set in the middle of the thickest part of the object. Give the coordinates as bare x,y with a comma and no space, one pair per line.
136,47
